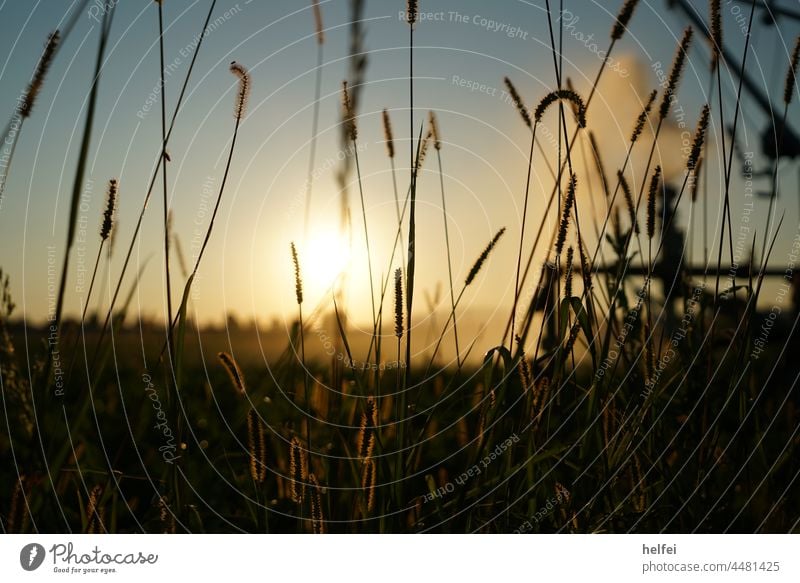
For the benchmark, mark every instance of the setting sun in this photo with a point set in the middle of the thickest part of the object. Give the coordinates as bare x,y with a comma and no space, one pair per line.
324,257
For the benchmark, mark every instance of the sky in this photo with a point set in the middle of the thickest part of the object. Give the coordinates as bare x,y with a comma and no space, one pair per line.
463,50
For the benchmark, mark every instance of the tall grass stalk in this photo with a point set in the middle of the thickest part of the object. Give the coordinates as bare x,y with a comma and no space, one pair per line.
389,137
80,170
320,37
298,286
161,160
411,17
437,144
24,106
730,155
526,118
617,32
165,189
788,94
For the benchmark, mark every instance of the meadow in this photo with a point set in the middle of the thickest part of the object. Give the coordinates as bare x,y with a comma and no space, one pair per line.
626,389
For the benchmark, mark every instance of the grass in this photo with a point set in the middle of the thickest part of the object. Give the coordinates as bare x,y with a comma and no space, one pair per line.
606,404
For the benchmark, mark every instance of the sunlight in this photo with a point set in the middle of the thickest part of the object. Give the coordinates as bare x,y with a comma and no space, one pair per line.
324,257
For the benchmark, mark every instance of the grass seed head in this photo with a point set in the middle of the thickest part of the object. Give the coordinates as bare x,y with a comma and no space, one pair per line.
791,74
387,133
366,434
37,82
412,11
435,136
348,114
655,183
699,139
317,518
257,446
298,470
518,103
675,73
562,94
563,227
318,22
482,257
643,116
368,479
244,89
398,302
298,280
626,193
108,214
716,32
623,18
236,376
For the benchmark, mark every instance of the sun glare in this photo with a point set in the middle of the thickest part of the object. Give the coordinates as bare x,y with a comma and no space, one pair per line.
324,257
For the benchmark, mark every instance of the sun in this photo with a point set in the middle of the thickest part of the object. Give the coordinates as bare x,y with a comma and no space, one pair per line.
323,258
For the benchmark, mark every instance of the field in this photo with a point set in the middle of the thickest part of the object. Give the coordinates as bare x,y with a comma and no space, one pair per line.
640,377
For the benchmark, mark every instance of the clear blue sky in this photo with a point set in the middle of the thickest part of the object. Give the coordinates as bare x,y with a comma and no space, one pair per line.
247,270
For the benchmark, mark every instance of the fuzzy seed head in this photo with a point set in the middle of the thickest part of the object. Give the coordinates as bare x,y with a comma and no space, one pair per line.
626,192
91,504
236,376
643,116
437,142
318,22
108,214
560,95
298,280
412,10
244,89
398,302
317,519
623,18
38,77
482,257
423,150
298,470
791,75
699,139
366,435
655,183
387,133
368,483
569,200
257,446
716,32
525,372
348,114
676,72
518,103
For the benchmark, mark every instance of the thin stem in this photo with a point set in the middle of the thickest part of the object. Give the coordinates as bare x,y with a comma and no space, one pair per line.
449,258
730,154
774,190
562,167
160,161
521,240
399,218
366,234
79,174
411,264
164,174
313,150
